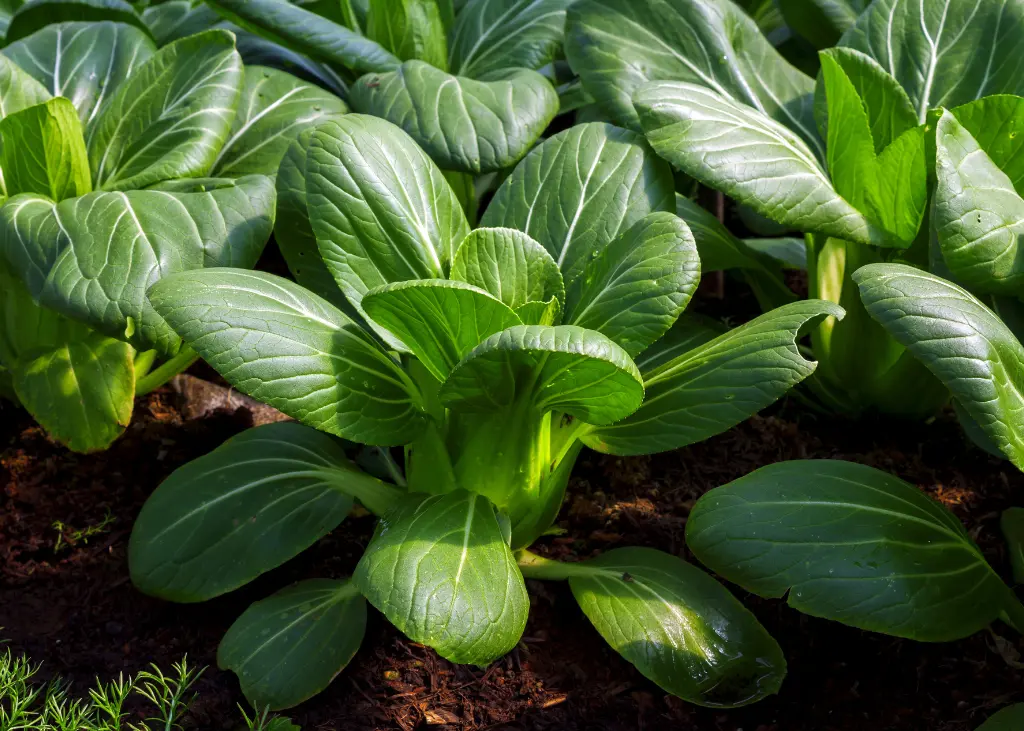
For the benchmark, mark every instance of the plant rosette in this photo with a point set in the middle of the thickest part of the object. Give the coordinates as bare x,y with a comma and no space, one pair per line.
491,357
121,164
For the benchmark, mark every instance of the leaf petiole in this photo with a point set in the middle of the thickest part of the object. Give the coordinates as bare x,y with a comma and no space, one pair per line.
157,378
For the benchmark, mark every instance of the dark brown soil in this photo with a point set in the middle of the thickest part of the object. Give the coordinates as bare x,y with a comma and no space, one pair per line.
74,609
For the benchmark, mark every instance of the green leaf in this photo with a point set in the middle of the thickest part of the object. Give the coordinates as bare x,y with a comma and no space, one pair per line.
636,288
29,239
689,331
439,320
176,19
885,104
288,348
410,29
308,33
564,368
84,62
509,265
821,22
541,313
958,339
112,246
679,627
1011,522
463,124
251,504
978,216
34,15
617,46
170,117
18,90
382,212
43,151
718,384
576,192
293,231
849,543
1010,718
943,52
994,122
890,188
440,569
290,646
492,36
719,250
748,156
78,384
273,110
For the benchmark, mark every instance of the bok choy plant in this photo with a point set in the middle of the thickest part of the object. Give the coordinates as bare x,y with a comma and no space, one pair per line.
845,160
491,356
121,164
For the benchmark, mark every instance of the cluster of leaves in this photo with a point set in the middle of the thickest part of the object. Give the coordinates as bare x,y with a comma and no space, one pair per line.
123,162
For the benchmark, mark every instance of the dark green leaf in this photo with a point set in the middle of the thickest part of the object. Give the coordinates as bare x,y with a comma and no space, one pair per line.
1010,718
290,646
256,501
821,22
440,569
958,339
36,14
579,190
1012,524
176,19
285,346
565,368
679,627
636,288
849,543
410,29
439,320
306,32
170,117
463,124
717,385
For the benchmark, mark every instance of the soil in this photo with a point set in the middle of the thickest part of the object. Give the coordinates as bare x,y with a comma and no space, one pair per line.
65,598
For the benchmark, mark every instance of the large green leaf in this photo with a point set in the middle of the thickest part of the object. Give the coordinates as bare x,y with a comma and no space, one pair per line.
617,46
978,216
382,212
994,123
439,320
29,239
509,265
292,230
285,346
170,117
440,569
410,29
749,156
720,250
168,21
112,246
251,504
718,384
579,190
85,62
850,543
821,22
637,286
1010,718
463,124
36,14
496,35
679,627
565,368
944,52
958,339
690,331
314,35
890,188
18,90
42,151
274,108
78,384
290,646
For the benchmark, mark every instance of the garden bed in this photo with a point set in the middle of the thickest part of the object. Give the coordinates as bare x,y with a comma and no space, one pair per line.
65,599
